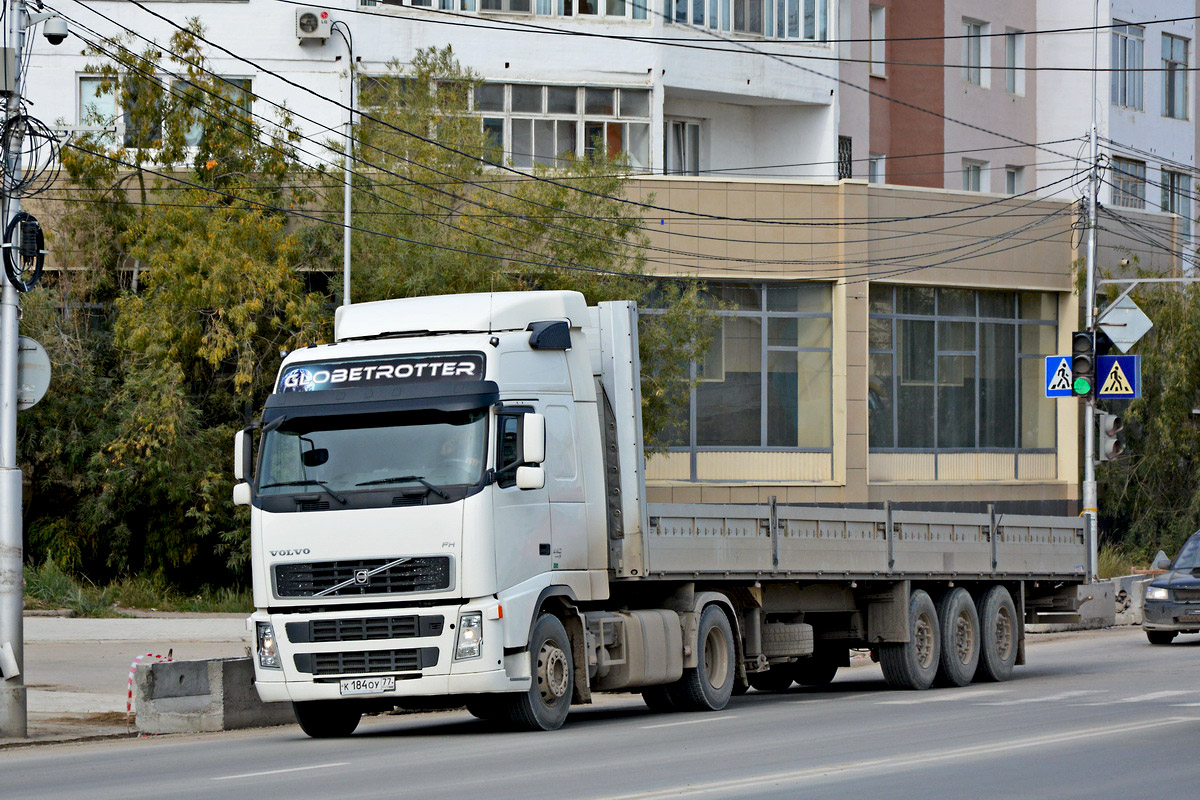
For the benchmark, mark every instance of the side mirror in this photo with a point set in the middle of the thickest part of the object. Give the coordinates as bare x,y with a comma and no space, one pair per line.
531,478
242,455
1161,561
533,443
241,494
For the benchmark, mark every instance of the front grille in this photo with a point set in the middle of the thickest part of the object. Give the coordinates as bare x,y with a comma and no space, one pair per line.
1187,595
312,505
351,630
314,579
366,661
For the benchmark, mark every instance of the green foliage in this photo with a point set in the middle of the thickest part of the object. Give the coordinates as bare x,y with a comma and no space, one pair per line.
50,587
498,232
1151,495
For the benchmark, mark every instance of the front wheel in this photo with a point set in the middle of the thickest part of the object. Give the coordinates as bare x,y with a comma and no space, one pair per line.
545,706
1160,637
327,719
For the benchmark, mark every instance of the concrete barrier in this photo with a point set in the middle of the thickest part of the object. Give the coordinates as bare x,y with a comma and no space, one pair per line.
193,696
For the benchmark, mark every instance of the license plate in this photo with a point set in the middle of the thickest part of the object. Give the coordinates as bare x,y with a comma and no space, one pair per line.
368,685
1190,618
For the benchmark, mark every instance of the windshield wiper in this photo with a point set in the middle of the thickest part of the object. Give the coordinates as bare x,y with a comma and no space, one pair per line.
408,479
322,484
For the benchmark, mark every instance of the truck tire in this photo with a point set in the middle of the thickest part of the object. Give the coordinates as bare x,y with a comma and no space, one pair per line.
821,667
1000,635
545,706
776,679
485,707
708,685
327,719
960,638
1160,637
658,698
914,664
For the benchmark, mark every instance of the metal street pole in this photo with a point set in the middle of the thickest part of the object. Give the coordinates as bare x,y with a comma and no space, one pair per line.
347,173
13,716
1091,505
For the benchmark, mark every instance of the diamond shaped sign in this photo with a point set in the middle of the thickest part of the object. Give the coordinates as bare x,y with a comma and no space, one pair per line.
1124,323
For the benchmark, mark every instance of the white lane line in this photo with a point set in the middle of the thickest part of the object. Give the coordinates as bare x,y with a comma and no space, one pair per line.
1145,698
740,785
1185,705
944,697
280,771
686,722
1049,698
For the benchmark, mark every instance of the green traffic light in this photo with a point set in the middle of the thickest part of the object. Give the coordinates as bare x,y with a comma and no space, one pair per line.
1082,387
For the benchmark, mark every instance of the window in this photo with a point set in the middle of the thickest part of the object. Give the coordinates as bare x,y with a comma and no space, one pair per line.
959,369
97,111
875,168
845,158
1127,44
1176,199
878,23
766,381
505,6
1013,180
781,19
1129,183
536,124
974,53
1175,65
1014,59
683,147
972,175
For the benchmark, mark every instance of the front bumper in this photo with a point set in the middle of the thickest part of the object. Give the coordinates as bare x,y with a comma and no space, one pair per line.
1167,615
419,654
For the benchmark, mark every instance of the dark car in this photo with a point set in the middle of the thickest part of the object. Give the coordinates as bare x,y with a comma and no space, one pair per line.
1173,598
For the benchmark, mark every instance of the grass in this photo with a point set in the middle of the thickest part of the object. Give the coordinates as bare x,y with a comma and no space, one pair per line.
1116,561
49,587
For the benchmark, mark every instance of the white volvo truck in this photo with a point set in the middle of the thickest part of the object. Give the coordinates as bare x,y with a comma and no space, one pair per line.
448,507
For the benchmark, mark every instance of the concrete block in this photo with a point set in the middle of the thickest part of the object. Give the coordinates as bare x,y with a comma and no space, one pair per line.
192,696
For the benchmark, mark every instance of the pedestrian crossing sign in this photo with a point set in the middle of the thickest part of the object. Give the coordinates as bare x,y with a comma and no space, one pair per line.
1058,376
1120,377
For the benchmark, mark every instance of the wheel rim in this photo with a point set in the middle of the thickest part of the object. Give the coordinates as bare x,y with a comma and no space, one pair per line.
1002,636
553,673
923,640
964,638
716,657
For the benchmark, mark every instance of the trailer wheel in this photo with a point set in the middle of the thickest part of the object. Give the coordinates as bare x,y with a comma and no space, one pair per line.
545,706
914,664
776,679
998,644
1160,637
960,638
327,719
821,667
708,686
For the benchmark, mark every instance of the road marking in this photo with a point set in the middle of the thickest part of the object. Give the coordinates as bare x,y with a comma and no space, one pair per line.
686,722
728,787
1050,698
1142,698
1185,705
280,771
943,697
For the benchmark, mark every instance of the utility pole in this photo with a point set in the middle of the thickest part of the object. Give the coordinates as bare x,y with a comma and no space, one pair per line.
1091,505
347,174
13,716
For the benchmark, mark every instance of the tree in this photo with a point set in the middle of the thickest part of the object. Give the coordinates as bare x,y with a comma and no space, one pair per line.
443,219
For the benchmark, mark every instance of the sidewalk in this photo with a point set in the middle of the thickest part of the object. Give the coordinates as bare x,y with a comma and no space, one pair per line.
77,670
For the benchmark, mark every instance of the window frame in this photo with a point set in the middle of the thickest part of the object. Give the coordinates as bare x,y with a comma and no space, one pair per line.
976,170
975,53
877,25
1014,57
1128,183
1175,76
1128,44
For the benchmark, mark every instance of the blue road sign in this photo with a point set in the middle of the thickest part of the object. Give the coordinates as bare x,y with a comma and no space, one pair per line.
1119,377
1058,376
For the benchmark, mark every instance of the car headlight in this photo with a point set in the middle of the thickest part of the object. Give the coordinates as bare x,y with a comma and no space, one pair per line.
268,651
470,636
1156,593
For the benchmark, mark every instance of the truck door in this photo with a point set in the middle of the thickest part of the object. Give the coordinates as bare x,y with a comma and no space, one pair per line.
521,517
564,482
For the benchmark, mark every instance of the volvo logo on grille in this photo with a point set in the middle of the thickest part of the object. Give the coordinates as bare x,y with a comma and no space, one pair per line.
362,576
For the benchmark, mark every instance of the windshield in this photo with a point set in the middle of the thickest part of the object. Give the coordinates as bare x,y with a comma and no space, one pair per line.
1189,556
410,452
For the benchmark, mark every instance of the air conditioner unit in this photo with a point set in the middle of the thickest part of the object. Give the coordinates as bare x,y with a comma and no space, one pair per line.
312,23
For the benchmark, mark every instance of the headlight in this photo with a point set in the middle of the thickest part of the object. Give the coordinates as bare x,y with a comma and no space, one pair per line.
268,652
470,635
1156,593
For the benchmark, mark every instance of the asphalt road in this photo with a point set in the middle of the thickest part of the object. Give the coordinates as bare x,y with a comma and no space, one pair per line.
1098,715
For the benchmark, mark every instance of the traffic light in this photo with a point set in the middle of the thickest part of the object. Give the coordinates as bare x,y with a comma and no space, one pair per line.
1083,363
1110,428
